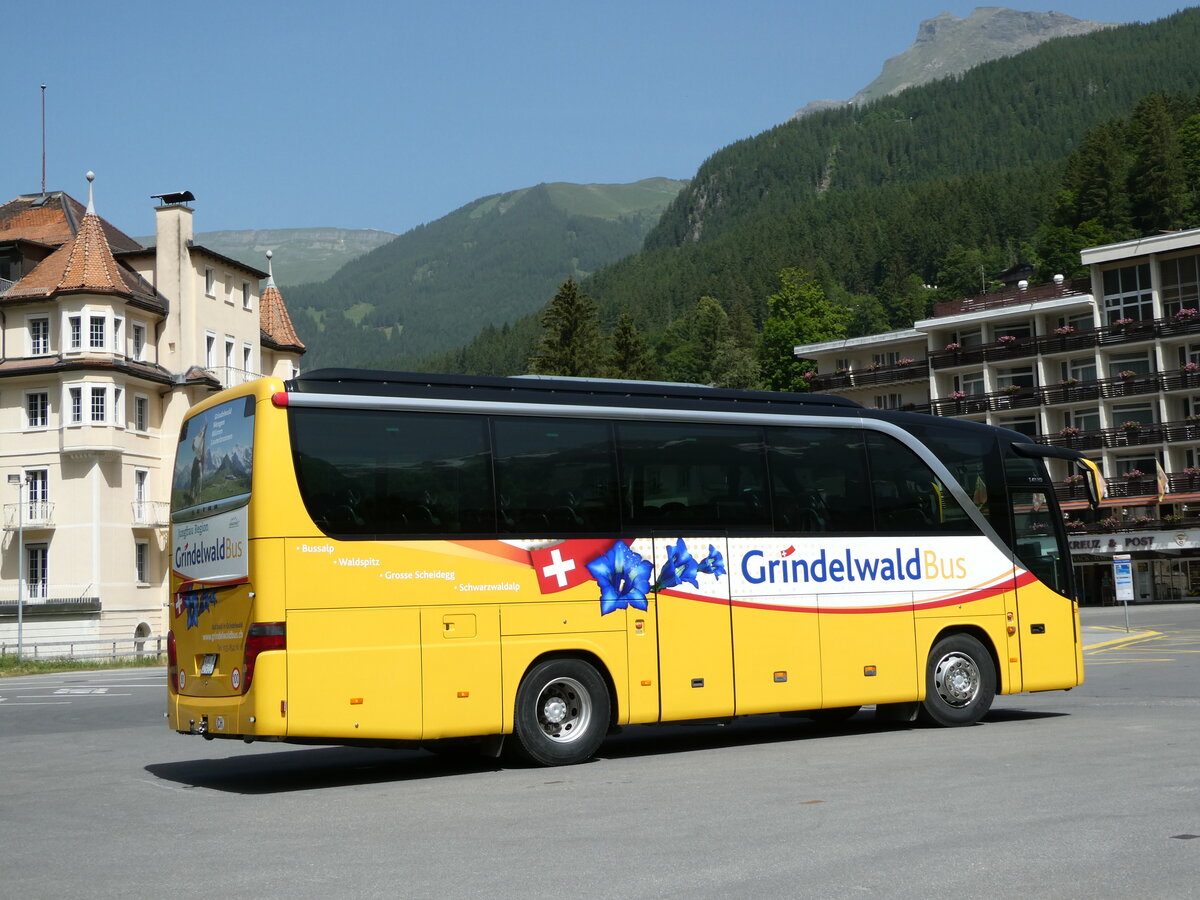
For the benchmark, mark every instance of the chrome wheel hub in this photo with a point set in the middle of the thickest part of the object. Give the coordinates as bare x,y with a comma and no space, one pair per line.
564,710
956,678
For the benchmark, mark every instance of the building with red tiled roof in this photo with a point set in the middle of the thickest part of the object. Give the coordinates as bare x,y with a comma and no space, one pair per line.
104,345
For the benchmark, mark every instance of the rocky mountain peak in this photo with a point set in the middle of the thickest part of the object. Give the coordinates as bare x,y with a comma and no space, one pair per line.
949,45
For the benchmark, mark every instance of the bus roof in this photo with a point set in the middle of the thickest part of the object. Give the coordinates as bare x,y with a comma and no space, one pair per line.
580,391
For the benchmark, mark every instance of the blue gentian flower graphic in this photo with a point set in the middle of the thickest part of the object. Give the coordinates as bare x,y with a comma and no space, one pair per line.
624,578
713,564
198,603
680,567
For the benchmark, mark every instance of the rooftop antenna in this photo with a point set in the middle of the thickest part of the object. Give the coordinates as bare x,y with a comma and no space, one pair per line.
43,139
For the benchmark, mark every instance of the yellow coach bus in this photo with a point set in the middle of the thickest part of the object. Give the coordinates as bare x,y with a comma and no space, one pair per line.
374,557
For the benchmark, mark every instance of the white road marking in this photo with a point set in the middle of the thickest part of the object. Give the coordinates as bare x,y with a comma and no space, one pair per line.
51,703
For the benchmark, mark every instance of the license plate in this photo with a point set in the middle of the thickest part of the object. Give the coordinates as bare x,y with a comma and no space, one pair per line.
209,665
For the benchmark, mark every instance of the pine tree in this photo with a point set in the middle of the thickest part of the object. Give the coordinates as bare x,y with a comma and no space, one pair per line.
1156,179
571,343
629,356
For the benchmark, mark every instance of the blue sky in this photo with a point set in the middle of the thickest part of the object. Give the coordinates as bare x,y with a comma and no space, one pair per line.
290,113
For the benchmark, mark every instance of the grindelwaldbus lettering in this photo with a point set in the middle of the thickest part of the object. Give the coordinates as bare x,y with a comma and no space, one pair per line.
921,564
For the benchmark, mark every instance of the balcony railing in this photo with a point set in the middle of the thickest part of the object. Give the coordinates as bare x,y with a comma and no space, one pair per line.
1047,344
1018,398
46,598
997,351
1025,397
29,514
1122,436
151,513
917,370
1078,288
1145,523
1144,487
232,377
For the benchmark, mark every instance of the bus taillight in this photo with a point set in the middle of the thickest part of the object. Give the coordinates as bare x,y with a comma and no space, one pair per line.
172,663
261,637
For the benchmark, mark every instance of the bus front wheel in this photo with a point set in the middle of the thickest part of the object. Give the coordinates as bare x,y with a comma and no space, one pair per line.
960,682
562,712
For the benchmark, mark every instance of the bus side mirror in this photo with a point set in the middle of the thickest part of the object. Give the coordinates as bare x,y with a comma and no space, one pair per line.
1096,487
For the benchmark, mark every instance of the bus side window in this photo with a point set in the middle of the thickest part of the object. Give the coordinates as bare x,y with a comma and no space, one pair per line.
908,496
819,480
555,476
372,473
695,476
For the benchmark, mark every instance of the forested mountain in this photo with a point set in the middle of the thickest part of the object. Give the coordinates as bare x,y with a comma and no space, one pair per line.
301,254
488,263
948,45
912,190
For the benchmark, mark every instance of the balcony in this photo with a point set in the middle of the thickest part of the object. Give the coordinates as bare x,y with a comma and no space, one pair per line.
1026,397
1121,436
1142,523
1068,343
1071,392
1140,488
1017,397
917,370
151,513
1079,288
1045,345
229,376
998,351
32,514
45,598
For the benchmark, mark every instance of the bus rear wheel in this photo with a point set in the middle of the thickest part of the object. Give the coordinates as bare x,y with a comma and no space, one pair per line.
960,682
562,712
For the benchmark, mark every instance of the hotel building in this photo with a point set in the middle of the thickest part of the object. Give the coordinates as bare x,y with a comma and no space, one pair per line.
1109,365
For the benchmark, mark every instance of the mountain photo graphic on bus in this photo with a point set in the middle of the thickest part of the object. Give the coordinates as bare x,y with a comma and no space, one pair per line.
215,457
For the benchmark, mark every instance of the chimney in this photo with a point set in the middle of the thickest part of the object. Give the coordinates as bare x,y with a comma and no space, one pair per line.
172,270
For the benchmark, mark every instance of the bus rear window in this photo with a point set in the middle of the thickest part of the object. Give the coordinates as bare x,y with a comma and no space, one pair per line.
213,460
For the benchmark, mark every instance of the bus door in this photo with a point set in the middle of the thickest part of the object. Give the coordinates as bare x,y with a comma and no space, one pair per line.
1047,616
695,637
776,640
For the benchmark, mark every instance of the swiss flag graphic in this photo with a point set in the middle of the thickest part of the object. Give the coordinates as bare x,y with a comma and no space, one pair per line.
565,565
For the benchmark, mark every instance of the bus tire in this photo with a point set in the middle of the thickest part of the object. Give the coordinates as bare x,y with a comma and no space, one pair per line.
562,712
960,682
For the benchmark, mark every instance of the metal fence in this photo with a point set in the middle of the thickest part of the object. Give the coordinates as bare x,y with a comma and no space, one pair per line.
151,648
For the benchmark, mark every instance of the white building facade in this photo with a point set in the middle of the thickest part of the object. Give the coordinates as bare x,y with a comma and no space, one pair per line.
104,345
1109,365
